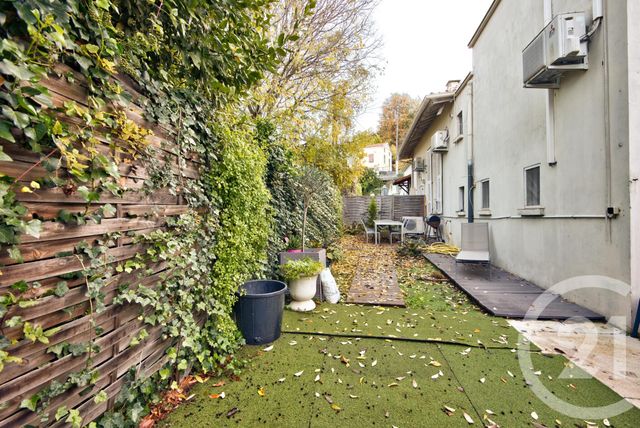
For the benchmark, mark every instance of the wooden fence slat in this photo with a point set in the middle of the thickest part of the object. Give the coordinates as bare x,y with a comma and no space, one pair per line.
48,258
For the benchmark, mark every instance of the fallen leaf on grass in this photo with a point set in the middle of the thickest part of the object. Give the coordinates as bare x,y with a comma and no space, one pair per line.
414,383
221,395
391,385
482,380
373,364
268,348
353,396
261,392
534,415
232,412
336,408
282,379
434,363
317,378
448,410
467,418
329,399
298,374
217,384
606,422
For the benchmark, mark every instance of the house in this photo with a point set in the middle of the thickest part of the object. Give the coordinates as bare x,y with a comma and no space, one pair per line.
378,157
544,149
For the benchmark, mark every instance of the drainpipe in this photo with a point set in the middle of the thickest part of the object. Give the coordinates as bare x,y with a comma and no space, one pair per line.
607,119
470,213
633,39
550,105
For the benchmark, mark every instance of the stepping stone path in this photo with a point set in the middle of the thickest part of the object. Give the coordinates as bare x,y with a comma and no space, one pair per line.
376,283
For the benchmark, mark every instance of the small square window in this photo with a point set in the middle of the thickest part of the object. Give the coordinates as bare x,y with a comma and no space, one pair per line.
460,124
371,158
461,198
532,186
485,194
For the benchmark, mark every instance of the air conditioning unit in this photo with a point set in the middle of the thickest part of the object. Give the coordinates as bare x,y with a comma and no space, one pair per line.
555,50
439,141
418,164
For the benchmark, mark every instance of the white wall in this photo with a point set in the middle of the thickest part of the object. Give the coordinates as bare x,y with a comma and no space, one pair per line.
509,134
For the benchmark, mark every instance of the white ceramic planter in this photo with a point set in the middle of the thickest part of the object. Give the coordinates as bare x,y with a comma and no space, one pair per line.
302,292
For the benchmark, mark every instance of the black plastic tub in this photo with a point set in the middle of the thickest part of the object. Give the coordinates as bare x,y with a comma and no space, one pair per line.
258,311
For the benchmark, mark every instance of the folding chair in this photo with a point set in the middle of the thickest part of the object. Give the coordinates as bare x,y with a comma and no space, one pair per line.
367,231
475,245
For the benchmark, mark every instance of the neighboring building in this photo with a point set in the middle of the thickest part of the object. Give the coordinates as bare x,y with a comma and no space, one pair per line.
378,158
549,169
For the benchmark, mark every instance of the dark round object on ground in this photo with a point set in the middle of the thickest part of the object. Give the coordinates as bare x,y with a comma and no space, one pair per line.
258,311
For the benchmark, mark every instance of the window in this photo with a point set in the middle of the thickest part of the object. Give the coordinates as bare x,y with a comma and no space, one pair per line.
485,194
436,180
370,157
460,124
461,198
532,186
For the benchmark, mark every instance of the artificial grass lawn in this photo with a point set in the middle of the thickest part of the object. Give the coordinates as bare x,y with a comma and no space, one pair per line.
506,393
374,395
383,394
460,326
367,395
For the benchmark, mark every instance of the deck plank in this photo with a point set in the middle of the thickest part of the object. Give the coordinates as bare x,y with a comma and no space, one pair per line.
504,294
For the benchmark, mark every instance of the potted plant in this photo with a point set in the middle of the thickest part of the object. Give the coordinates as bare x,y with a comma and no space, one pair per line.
294,244
302,275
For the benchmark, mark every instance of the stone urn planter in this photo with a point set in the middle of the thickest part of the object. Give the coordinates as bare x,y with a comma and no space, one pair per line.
302,291
317,254
301,276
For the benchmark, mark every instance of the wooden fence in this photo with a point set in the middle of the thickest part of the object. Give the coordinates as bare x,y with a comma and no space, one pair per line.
136,213
392,207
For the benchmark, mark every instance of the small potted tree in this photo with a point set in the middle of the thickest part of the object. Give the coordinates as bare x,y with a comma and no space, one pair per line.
302,275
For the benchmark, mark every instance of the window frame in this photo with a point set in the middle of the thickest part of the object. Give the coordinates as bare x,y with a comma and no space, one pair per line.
486,182
460,123
526,187
461,194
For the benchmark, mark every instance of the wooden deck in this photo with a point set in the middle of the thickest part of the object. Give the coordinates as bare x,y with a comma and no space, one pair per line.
506,295
376,286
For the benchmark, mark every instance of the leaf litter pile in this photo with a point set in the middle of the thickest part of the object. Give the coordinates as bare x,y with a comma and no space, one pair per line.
344,364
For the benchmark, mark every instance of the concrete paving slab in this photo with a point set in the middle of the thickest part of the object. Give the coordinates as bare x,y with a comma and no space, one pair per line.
603,351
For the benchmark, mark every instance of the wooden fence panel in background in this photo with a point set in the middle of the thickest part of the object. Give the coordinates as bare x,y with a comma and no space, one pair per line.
136,213
393,207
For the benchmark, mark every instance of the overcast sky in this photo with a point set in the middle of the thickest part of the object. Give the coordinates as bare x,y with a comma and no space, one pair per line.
425,45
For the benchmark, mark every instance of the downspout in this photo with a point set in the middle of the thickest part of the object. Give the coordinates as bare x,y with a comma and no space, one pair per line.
550,105
607,119
470,213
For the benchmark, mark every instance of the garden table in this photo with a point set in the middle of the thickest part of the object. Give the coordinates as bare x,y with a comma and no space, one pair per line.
383,222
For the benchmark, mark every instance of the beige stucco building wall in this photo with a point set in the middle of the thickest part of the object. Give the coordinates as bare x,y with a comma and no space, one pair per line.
377,157
574,237
505,132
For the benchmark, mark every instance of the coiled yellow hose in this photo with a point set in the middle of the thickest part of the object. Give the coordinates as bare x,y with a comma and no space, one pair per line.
442,248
